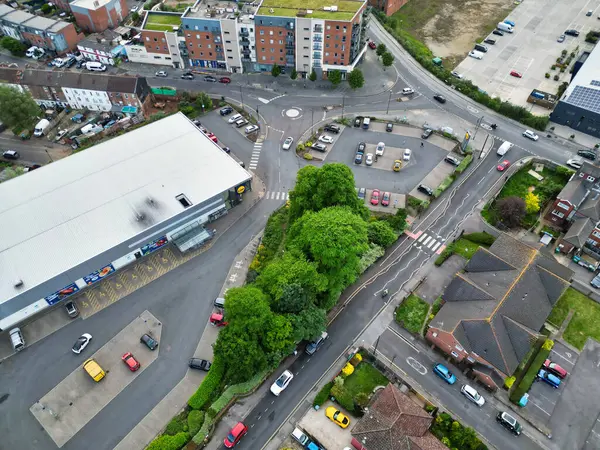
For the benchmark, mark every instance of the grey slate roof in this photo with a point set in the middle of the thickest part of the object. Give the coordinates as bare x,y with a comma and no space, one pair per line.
579,231
460,290
490,371
591,206
511,250
574,191
78,80
484,261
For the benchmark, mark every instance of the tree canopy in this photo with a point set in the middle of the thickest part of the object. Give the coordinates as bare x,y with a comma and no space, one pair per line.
335,76
308,324
511,211
276,70
17,109
356,79
14,46
381,233
387,59
381,49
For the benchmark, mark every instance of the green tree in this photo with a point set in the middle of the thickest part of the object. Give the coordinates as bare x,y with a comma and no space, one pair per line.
204,102
392,23
17,109
511,211
308,324
356,79
381,49
242,350
46,8
249,306
313,75
398,220
381,233
387,59
16,47
278,338
294,74
276,70
335,76
532,203
293,300
135,17
334,238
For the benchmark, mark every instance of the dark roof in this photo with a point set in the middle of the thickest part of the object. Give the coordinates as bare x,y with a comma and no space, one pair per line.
496,311
574,191
579,231
489,371
395,422
591,206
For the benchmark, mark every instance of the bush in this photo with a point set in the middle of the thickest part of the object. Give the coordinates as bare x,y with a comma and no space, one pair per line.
323,394
232,391
381,233
201,436
343,398
209,385
195,420
176,425
445,184
530,375
556,77
446,253
370,256
308,157
348,370
356,359
416,204
547,74
166,442
480,238
466,162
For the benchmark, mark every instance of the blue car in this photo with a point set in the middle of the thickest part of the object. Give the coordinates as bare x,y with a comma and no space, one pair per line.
546,376
442,371
509,22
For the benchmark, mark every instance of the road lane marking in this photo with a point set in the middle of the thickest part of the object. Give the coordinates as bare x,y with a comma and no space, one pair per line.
404,339
420,368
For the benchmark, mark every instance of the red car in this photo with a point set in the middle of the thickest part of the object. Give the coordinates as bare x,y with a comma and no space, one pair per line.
372,45
385,201
234,436
212,137
218,320
503,165
132,363
514,73
225,80
375,197
555,369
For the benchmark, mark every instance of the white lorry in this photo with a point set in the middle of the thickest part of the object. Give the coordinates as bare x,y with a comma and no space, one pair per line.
41,127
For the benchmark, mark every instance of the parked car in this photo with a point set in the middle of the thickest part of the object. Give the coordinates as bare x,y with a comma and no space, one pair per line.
282,382
318,343
225,80
549,378
509,22
389,126
72,309
475,54
561,38
455,74
251,129
360,148
134,9
503,165
81,343
490,41
200,364
514,73
509,422
234,436
572,32
408,91
326,139
444,373
380,149
149,341
319,147
357,122
369,159
385,200
452,160
406,154
161,74
575,163
530,135
287,143
235,118
397,165
588,154
362,192
226,110
589,13
498,33
226,149
11,154
440,98
375,197
332,128
210,79
130,361
426,133
555,369
94,370
372,45
358,158
187,76
472,395
425,189
337,417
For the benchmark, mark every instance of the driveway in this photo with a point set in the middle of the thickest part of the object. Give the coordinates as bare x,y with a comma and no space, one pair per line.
328,434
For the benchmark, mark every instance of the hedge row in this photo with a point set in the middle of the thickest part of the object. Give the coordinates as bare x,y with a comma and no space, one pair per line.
445,184
446,253
209,385
424,56
323,394
464,164
531,374
232,391
195,420
480,238
166,442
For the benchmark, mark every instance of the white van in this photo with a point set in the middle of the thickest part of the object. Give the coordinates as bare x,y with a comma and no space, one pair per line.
504,148
30,51
95,66
41,127
16,339
91,128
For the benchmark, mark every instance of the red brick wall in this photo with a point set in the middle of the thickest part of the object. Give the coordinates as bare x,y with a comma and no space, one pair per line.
556,219
155,42
273,53
201,44
62,4
389,7
334,34
446,342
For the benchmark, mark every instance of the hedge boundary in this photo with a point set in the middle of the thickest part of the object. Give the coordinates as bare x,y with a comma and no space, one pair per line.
531,374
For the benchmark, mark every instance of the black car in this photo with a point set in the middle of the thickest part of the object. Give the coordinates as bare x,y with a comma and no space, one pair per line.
425,189
357,122
426,133
210,79
81,63
362,192
498,33
389,126
587,154
490,41
70,62
509,422
149,341
440,98
358,158
201,364
572,33
316,344
332,128
361,147
226,110
187,76
226,149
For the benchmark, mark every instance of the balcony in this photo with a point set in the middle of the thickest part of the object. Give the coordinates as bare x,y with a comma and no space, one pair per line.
244,32
317,64
290,46
317,55
317,47
318,29
245,41
318,38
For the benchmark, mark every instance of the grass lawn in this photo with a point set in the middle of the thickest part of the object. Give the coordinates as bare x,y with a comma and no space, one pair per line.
585,321
465,248
411,313
164,19
364,379
154,27
289,8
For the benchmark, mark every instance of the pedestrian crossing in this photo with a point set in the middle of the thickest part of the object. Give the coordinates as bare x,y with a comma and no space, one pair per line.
428,241
255,155
282,196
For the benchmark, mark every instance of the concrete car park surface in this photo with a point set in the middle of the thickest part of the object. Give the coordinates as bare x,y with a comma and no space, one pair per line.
396,201
434,178
77,399
530,50
330,435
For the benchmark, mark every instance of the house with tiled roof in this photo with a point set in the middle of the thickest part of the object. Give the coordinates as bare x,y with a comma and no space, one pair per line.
394,422
494,309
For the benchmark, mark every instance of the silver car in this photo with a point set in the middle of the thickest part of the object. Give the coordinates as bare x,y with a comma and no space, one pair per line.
287,143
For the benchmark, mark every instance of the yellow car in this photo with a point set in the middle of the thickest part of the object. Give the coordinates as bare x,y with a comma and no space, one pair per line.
337,417
94,370
397,165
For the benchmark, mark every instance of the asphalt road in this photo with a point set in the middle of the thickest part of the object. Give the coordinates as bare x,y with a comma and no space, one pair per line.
32,151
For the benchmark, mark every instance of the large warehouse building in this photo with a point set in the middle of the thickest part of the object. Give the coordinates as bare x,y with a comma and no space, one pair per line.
579,106
72,223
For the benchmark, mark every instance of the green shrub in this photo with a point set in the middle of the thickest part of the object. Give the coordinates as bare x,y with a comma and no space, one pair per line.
201,436
530,375
547,75
418,205
209,385
323,394
166,442
176,424
464,164
195,420
307,156
446,253
480,238
445,184
370,256
343,398
232,391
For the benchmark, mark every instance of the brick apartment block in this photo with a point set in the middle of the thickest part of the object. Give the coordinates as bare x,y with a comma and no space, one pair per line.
99,15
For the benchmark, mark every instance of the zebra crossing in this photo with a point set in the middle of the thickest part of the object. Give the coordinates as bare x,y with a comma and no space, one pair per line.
428,241
255,155
282,196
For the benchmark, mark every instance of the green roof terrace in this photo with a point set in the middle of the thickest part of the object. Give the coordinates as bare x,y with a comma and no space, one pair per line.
312,9
162,21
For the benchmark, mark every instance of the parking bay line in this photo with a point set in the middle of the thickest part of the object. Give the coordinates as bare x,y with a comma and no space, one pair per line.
564,357
404,339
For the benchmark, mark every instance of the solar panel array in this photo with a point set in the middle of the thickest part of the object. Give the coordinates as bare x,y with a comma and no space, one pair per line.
586,98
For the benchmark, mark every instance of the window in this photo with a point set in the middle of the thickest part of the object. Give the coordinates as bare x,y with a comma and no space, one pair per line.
272,58
596,234
326,45
271,32
305,48
197,36
280,42
230,57
264,57
181,198
564,206
227,32
272,50
209,46
229,50
558,214
337,27
326,53
327,36
306,29
336,45
307,39
329,27
270,41
262,32
280,59
228,42
280,33
262,41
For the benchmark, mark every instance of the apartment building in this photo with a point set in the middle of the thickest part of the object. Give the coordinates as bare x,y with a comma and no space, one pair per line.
54,36
389,7
103,47
160,41
80,90
98,15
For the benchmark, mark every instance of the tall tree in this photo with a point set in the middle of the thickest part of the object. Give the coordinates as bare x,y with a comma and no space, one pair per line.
17,109
14,46
308,324
532,203
381,49
247,306
242,350
387,59
294,74
276,70
356,79
335,76
511,211
381,233
278,338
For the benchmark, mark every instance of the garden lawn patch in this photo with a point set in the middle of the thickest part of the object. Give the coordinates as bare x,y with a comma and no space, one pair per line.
411,313
585,321
364,379
465,248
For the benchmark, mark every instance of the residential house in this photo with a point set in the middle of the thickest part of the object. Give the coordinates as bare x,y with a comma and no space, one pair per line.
579,200
54,36
495,308
102,47
394,422
98,15
80,90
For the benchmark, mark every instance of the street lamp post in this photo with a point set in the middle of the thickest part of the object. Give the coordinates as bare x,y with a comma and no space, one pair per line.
312,120
343,104
477,127
389,100
242,96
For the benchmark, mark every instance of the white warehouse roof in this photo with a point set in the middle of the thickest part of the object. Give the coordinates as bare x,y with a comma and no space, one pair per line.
64,214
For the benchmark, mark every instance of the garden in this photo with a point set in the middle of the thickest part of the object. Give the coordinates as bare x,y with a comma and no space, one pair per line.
585,322
455,435
411,313
466,246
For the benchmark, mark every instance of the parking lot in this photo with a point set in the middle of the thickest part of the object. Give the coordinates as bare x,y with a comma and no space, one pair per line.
330,435
531,50
78,398
435,177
